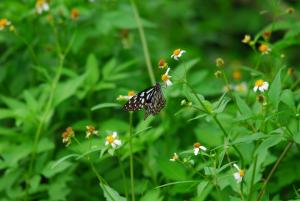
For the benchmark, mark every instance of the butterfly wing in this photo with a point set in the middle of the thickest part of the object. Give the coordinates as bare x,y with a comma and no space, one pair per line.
151,99
138,101
156,103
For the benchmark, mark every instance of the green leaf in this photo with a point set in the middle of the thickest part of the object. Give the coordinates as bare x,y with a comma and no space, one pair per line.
275,90
171,170
105,105
45,144
67,89
110,194
242,105
108,69
287,97
249,138
296,137
92,72
49,171
151,196
219,106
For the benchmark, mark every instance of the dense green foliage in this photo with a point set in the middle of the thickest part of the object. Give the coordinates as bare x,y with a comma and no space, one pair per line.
64,67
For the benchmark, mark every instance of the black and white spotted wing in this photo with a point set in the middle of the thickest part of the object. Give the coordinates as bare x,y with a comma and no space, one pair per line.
151,99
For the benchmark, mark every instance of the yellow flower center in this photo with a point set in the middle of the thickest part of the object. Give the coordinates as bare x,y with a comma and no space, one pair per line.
165,77
176,52
236,75
3,22
197,145
39,3
131,93
110,139
242,173
259,83
263,48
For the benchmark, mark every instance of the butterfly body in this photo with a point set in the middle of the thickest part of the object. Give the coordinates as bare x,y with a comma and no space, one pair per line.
151,99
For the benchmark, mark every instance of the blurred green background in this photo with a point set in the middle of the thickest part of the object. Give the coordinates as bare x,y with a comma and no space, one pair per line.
104,60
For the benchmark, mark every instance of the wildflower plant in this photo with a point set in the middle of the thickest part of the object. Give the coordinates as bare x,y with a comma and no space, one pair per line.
221,112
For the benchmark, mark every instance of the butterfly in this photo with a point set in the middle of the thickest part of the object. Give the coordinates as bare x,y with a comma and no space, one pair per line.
151,99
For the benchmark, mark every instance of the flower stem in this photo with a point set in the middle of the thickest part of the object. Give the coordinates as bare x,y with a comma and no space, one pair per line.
131,157
262,191
144,41
252,178
124,177
218,122
99,177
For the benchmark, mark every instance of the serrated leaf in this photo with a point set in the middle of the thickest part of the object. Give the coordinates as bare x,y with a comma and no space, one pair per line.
275,90
110,194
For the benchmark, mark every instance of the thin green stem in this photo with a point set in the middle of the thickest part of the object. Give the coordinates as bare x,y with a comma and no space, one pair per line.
218,123
42,122
124,177
144,41
131,157
252,178
262,191
99,177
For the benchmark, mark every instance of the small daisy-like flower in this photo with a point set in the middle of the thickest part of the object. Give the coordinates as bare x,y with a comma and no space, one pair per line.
67,136
174,158
220,62
264,49
241,87
90,130
166,78
162,64
74,14
177,54
197,147
238,176
41,5
261,85
113,140
129,96
246,39
236,75
4,23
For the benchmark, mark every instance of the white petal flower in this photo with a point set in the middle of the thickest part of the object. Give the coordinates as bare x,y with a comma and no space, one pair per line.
113,140
177,54
41,5
197,147
261,85
166,78
238,176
